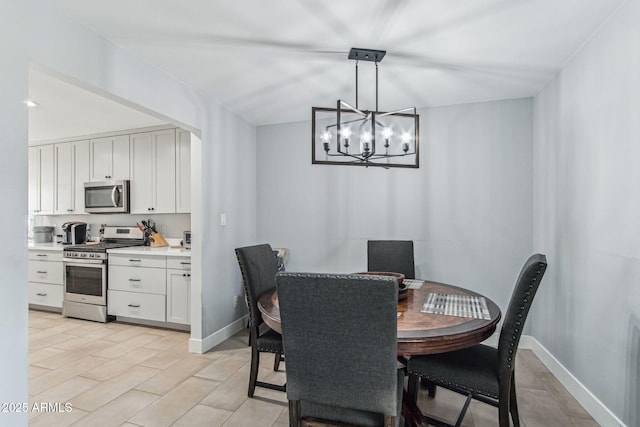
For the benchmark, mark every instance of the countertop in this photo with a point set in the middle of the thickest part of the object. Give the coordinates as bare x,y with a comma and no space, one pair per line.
133,250
51,246
147,250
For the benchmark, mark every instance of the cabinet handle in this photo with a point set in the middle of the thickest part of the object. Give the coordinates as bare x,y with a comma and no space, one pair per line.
41,272
134,280
185,263
134,305
44,255
107,176
186,275
69,210
41,294
135,260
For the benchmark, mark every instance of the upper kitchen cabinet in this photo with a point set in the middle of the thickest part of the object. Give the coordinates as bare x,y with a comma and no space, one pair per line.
183,171
72,171
153,172
41,180
109,158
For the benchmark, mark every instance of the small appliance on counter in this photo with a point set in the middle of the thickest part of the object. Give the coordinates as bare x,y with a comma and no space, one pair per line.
43,234
186,240
74,233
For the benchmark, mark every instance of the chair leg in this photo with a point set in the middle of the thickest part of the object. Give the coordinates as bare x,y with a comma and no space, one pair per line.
255,364
430,386
294,413
276,361
503,400
513,402
412,388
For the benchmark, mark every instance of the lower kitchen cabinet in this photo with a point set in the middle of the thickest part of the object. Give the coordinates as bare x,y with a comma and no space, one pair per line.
45,294
45,275
136,305
179,290
150,287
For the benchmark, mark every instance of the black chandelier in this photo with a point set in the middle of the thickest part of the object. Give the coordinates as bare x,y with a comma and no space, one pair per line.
347,135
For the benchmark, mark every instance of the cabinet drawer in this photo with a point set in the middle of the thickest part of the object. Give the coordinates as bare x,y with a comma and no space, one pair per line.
45,272
179,263
136,305
136,279
36,255
45,294
138,260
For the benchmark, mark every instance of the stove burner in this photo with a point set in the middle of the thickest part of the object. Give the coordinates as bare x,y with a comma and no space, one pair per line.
100,247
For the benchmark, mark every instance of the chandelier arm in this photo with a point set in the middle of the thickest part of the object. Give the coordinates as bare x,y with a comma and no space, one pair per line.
352,108
347,122
399,111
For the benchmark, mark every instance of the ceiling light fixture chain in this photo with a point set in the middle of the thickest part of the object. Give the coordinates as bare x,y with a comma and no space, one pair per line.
350,122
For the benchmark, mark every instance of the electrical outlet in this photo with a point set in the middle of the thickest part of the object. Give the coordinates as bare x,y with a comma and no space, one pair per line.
235,300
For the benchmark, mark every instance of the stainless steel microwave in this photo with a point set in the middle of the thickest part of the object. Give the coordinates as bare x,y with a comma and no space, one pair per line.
106,197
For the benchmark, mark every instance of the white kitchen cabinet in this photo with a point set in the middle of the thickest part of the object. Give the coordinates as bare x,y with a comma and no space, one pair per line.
153,172
45,275
179,290
136,305
109,158
183,171
137,286
41,179
72,171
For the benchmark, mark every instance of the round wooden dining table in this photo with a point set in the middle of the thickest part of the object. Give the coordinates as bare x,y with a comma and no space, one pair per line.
418,332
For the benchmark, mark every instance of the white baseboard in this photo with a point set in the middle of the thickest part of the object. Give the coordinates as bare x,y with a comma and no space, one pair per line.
600,413
208,342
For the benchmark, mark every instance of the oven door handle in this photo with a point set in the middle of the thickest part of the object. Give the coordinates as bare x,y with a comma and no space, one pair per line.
82,262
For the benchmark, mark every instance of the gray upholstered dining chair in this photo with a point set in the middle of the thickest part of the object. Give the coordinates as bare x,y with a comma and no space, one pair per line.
482,372
360,384
258,265
391,255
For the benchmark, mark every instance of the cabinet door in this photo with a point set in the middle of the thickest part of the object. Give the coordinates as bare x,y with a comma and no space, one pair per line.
164,146
81,173
101,159
183,171
47,179
120,157
178,296
64,178
34,180
109,158
141,173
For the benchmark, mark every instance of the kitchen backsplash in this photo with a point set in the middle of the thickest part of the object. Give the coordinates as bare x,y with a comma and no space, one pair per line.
169,225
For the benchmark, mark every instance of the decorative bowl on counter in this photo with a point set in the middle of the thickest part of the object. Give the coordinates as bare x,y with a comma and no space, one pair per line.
402,288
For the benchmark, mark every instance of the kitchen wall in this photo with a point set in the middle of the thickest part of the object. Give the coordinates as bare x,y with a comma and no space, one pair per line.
174,224
586,214
468,208
34,34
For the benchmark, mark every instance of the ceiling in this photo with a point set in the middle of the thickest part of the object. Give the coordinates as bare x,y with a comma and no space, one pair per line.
270,61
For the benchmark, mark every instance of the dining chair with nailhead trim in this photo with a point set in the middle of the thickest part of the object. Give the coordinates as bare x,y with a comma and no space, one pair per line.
482,372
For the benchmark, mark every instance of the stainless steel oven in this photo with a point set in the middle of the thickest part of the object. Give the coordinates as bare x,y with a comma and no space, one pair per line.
85,285
85,280
86,273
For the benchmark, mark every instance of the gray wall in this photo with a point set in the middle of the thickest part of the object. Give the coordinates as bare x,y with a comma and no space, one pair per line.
587,214
468,207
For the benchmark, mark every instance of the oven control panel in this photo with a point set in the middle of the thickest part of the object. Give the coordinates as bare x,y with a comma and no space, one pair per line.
85,255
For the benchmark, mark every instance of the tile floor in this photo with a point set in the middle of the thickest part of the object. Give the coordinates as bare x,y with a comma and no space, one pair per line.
118,374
